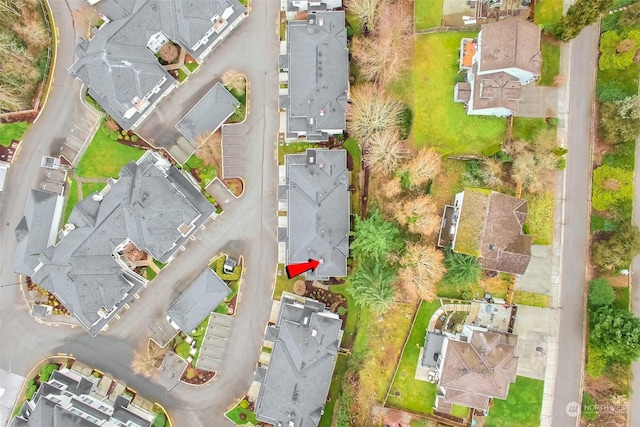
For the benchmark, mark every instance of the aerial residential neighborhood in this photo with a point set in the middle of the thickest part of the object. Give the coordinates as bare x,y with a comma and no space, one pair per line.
292,213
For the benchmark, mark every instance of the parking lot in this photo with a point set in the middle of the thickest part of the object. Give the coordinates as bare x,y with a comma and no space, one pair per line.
215,342
234,147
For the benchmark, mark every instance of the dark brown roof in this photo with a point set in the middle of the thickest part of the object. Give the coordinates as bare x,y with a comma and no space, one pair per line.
496,90
504,247
462,92
510,43
474,371
490,227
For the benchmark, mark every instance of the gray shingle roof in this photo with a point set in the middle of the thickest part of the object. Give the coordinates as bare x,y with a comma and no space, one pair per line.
213,109
51,408
36,230
297,381
432,349
318,68
148,205
116,64
318,212
198,301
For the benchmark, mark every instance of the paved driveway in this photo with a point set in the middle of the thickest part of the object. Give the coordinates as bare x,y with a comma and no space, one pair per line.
533,326
537,279
538,101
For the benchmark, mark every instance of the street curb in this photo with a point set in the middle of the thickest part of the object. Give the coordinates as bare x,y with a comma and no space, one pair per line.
54,55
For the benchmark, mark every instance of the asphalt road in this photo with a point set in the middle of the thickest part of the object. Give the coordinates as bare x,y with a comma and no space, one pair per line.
576,233
247,227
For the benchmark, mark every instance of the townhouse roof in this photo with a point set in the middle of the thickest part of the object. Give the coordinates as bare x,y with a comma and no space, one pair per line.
318,212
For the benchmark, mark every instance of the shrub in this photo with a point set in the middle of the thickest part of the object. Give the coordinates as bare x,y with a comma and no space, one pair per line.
611,186
596,362
244,404
600,293
134,138
342,310
299,287
160,421
614,128
195,162
616,252
404,122
618,49
183,349
30,391
46,371
589,411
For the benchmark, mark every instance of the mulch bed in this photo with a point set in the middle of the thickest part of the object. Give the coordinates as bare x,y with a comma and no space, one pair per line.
232,303
330,299
201,377
234,185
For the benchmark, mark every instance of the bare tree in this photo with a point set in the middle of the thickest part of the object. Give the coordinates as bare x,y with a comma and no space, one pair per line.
234,80
367,11
391,188
422,268
371,110
418,214
491,172
210,148
169,52
384,55
384,151
425,165
146,360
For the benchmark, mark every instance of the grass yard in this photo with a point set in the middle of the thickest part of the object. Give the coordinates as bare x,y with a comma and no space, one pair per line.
334,389
460,411
539,223
11,131
548,12
438,121
293,148
89,187
191,66
283,283
105,157
71,200
531,299
235,414
351,145
415,395
522,407
525,129
428,13
550,61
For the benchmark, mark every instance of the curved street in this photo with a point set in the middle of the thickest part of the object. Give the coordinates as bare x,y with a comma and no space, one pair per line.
247,227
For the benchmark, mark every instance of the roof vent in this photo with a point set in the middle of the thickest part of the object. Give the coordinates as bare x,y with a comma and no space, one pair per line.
305,321
320,22
322,114
314,333
492,247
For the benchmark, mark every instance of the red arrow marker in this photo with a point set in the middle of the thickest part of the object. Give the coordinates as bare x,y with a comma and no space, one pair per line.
296,269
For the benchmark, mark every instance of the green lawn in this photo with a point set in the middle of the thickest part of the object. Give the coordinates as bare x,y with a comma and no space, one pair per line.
293,148
460,411
182,76
334,389
548,12
234,416
415,395
11,131
438,121
105,157
89,187
351,145
191,66
72,200
525,129
522,407
539,223
550,61
428,13
151,274
531,299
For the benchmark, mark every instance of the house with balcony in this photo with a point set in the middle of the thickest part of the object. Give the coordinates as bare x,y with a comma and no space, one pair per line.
314,192
488,225
292,7
295,383
315,71
119,64
504,57
151,207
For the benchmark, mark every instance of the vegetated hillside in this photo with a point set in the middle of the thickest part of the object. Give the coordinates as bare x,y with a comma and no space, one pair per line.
24,39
